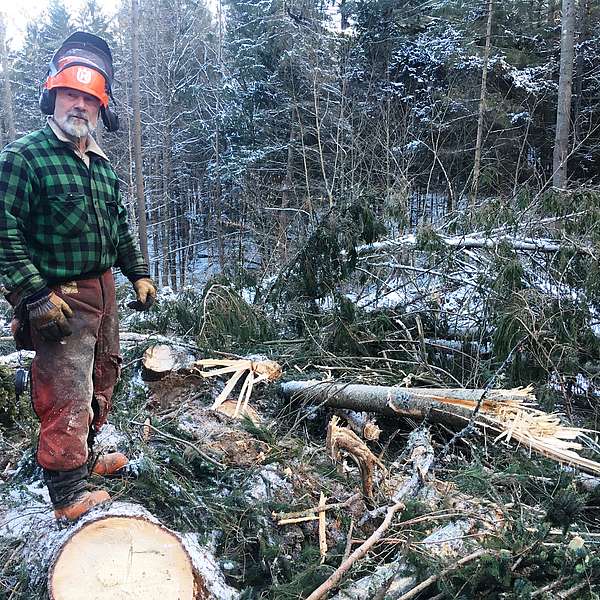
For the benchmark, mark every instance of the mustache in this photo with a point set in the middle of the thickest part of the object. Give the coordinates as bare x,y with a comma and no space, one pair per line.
79,115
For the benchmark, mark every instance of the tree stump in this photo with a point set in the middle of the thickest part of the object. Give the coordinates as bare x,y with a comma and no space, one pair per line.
160,360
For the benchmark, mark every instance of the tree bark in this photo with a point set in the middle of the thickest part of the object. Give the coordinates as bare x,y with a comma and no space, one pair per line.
583,28
482,103
413,402
137,130
7,103
565,84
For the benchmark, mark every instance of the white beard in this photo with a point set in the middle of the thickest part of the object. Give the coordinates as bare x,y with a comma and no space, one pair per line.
74,127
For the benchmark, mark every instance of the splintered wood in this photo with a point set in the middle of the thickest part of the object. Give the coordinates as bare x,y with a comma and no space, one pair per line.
513,413
322,529
250,371
342,439
312,514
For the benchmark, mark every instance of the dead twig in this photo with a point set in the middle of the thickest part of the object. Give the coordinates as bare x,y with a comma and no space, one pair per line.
310,514
359,553
430,580
348,547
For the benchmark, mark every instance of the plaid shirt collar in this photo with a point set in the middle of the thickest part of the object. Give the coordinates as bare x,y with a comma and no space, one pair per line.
92,145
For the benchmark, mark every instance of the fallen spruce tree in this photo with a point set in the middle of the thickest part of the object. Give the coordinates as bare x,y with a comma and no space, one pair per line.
509,412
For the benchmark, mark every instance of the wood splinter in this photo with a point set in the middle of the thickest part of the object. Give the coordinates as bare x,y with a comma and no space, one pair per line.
322,529
343,439
254,371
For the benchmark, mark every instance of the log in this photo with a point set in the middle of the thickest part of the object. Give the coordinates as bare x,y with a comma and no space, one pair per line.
473,241
118,550
512,413
124,557
410,402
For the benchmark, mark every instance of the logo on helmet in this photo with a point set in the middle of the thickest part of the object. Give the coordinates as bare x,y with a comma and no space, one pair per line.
84,75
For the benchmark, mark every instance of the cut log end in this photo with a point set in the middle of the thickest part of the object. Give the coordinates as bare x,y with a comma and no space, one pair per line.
124,557
157,362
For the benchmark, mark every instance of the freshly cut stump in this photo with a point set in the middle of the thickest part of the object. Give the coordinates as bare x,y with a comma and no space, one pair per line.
123,558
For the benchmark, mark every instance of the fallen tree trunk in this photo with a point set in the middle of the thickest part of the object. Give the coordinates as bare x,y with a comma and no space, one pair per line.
473,241
118,550
509,412
413,402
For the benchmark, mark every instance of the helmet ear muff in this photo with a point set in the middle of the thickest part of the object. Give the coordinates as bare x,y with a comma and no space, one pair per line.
110,119
47,100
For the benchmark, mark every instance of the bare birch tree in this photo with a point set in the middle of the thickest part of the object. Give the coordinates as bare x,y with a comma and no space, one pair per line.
7,102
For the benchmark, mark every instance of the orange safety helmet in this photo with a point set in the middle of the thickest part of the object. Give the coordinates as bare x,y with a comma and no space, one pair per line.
83,62
79,77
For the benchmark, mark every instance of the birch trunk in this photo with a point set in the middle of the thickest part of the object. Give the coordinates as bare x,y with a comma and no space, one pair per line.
7,104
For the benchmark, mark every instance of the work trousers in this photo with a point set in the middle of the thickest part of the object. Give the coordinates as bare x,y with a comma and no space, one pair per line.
72,381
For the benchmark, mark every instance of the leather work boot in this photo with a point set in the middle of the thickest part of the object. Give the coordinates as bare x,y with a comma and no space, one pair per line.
109,464
81,505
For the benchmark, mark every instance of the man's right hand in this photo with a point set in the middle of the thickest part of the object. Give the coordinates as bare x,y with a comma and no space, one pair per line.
48,316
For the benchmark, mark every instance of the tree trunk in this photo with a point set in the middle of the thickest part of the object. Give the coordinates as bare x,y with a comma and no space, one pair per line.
376,398
583,27
137,130
218,192
511,412
482,102
565,84
7,104
118,550
128,556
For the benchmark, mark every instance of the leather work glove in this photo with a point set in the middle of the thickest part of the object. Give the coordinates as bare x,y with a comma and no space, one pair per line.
48,316
145,290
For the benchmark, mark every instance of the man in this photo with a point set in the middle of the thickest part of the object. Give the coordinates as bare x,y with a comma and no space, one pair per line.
62,228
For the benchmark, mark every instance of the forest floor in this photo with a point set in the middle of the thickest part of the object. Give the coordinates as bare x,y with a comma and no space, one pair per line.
473,516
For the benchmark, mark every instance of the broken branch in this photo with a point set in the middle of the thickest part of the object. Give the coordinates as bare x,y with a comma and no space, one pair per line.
359,553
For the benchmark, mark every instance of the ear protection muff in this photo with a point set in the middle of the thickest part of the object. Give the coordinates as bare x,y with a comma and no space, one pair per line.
108,116
110,119
47,99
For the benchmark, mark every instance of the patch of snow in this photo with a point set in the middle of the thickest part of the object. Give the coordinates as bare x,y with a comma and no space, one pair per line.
267,481
109,438
205,563
14,359
520,118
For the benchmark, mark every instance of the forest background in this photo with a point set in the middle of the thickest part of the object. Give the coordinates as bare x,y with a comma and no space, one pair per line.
389,180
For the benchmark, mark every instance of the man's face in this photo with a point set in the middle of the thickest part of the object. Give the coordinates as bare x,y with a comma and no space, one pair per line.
76,112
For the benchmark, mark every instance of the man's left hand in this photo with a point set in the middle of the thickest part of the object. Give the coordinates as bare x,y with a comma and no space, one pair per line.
145,291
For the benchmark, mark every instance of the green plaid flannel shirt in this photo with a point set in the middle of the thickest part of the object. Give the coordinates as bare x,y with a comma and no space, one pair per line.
60,220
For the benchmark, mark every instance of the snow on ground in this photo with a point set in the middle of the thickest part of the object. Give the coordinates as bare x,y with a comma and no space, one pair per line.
109,439
14,359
